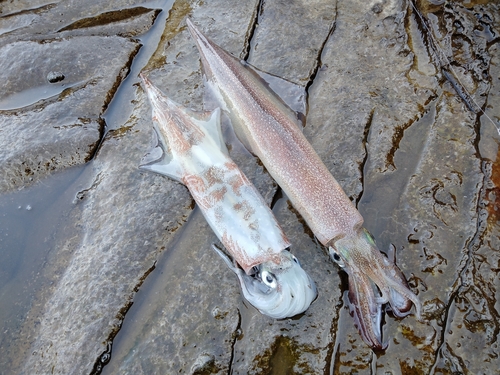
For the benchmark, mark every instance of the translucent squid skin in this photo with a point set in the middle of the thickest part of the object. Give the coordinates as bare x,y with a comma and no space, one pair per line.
270,130
191,150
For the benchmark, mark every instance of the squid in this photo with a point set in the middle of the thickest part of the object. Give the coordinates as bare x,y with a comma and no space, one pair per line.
190,149
271,131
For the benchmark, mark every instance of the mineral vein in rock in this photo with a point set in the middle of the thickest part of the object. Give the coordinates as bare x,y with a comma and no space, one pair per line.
270,130
191,150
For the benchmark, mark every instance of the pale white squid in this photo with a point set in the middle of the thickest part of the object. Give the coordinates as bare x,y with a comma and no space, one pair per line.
191,150
270,130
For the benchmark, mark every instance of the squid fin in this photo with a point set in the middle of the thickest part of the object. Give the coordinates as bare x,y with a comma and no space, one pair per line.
210,101
211,124
291,94
159,159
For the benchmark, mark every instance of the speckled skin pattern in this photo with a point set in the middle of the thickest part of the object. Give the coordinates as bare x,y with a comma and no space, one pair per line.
197,156
270,130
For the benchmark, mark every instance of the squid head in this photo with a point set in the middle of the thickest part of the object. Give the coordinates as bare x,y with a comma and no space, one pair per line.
373,281
278,291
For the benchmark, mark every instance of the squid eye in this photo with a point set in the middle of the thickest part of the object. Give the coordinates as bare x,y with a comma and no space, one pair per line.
269,279
295,260
336,256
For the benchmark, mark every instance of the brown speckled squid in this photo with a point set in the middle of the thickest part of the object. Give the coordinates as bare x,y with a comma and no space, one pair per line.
270,130
191,150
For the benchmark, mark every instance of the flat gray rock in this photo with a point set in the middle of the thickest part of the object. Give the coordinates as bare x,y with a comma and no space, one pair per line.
187,319
110,260
37,19
305,25
48,126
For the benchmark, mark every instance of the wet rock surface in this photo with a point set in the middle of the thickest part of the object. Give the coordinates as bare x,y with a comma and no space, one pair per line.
108,264
59,76
393,108
296,60
52,120
35,20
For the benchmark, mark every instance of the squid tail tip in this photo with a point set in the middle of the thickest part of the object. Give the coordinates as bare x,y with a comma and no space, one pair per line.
382,346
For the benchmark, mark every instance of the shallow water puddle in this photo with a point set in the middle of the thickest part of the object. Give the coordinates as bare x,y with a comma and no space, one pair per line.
33,95
31,222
